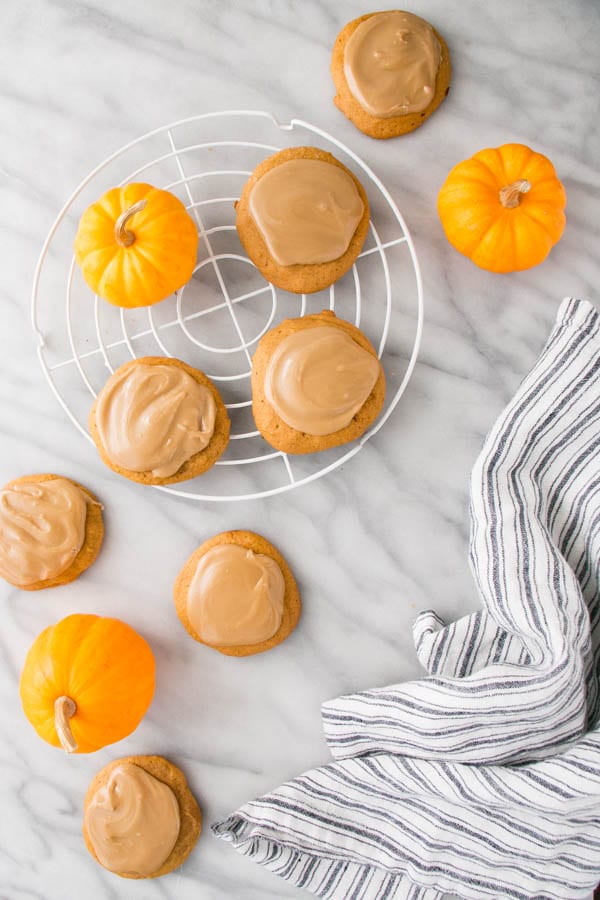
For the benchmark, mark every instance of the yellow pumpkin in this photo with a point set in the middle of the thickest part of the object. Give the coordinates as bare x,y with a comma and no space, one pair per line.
136,245
503,208
87,682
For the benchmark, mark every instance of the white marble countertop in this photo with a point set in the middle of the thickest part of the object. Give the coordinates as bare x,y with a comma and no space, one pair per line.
371,543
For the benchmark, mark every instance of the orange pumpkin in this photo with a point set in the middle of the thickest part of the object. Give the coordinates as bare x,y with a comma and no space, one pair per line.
503,208
87,682
136,245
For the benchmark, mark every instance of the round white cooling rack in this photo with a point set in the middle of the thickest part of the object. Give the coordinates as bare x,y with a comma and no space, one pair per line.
215,321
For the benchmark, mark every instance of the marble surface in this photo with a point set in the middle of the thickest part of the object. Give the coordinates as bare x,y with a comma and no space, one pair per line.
371,543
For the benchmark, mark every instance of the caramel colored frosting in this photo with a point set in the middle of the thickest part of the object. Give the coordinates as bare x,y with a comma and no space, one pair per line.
306,210
152,418
42,529
391,62
318,378
235,597
133,821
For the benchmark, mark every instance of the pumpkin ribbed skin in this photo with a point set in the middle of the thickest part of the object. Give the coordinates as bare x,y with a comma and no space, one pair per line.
495,237
159,261
103,665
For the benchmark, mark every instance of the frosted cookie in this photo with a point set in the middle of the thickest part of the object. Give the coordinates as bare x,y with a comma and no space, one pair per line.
316,383
302,218
159,421
391,70
51,531
140,817
236,594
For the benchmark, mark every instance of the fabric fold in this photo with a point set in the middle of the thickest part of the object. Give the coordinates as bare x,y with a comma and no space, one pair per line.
483,778
464,646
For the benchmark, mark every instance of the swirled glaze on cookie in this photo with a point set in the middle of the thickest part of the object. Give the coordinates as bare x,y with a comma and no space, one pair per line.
133,821
307,211
391,62
42,529
235,596
152,418
318,378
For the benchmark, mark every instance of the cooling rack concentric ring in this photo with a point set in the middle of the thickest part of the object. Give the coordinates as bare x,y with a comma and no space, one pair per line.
215,321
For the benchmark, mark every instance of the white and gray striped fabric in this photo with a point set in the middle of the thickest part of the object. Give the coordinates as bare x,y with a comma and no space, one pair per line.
482,779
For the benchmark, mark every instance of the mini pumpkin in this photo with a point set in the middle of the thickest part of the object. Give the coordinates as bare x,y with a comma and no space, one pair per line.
136,245
87,682
503,208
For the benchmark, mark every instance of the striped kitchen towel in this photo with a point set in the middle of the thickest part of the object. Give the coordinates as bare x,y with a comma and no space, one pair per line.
482,779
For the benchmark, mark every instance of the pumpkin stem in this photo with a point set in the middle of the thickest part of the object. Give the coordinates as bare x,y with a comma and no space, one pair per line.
123,236
510,194
64,708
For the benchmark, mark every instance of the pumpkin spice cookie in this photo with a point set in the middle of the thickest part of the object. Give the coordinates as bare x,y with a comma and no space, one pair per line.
391,70
302,218
159,421
51,531
140,817
236,594
316,383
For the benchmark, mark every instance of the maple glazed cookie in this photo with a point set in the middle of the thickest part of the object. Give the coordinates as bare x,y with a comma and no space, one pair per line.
391,70
159,421
302,218
236,594
316,383
140,817
51,531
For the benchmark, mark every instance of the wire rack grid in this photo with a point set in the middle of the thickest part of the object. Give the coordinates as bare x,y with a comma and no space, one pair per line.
215,320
